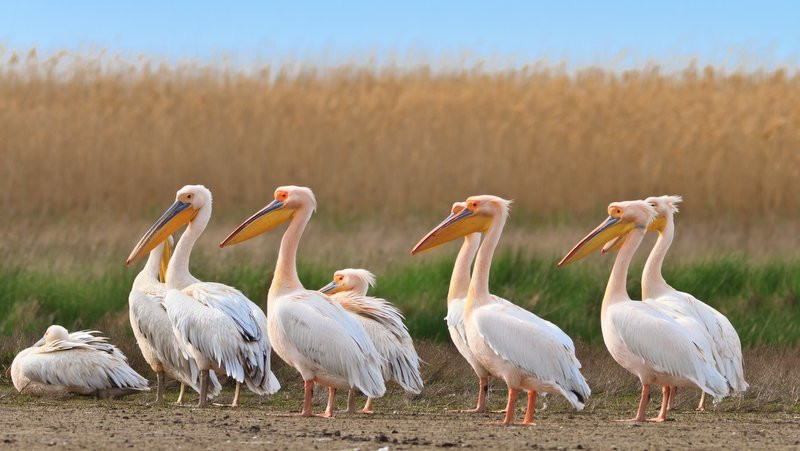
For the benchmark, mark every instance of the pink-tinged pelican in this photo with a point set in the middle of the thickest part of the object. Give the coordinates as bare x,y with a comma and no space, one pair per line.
383,322
311,332
513,344
153,330
80,363
217,325
641,338
726,347
456,298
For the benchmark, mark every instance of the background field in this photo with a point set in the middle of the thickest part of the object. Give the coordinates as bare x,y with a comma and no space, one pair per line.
94,147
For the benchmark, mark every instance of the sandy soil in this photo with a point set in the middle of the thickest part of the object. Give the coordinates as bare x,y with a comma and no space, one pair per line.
32,423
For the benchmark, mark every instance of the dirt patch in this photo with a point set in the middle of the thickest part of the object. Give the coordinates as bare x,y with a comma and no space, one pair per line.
399,423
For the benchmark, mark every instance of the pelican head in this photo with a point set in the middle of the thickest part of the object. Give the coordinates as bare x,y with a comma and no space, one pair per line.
288,200
350,279
664,205
52,334
477,215
189,200
622,218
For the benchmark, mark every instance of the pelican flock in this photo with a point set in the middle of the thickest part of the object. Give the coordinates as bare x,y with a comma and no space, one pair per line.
383,322
343,339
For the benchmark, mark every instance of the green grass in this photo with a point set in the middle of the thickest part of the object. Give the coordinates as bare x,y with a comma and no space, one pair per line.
761,299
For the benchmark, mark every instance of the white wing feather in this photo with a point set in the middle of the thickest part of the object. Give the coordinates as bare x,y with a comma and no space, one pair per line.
157,341
642,329
83,360
383,323
226,328
548,356
724,338
323,332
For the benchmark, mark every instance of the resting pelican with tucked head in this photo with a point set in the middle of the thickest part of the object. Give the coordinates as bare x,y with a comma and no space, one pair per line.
640,337
216,324
80,363
310,331
153,330
513,344
726,347
383,322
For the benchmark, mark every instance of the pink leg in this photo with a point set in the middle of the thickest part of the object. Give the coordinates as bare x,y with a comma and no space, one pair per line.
672,392
531,409
640,414
308,388
367,406
351,401
512,401
331,401
662,414
702,406
483,389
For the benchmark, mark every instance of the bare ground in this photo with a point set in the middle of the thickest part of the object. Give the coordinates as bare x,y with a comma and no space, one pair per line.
269,424
768,416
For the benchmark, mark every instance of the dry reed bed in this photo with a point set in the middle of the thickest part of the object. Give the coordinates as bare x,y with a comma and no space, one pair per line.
85,134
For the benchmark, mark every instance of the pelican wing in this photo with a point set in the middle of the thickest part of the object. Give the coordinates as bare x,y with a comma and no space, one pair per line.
535,346
233,303
226,328
375,309
663,344
150,319
91,363
455,320
725,339
333,339
384,325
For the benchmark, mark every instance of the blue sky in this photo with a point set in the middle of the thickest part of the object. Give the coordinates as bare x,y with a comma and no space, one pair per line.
584,32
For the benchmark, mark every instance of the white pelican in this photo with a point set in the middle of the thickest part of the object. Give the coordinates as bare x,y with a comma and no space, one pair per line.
310,331
640,337
383,322
153,330
218,326
80,363
513,344
726,347
456,298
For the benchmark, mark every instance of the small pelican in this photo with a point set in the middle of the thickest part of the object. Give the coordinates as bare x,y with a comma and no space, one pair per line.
726,347
640,337
81,363
153,330
384,325
217,325
513,344
310,331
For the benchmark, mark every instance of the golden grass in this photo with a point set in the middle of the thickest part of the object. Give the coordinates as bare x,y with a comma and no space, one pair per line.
86,134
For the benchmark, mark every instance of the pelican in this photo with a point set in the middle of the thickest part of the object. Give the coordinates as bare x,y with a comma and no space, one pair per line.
80,362
153,330
725,344
640,337
383,322
311,332
456,298
216,324
513,344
